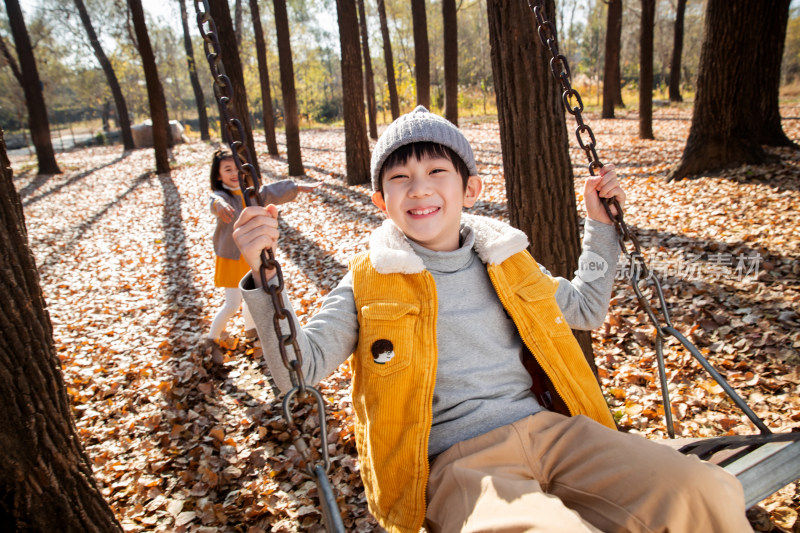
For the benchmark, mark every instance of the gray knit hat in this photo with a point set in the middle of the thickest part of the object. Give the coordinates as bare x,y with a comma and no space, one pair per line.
420,125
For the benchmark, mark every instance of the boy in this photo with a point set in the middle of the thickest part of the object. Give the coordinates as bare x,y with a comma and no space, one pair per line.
450,324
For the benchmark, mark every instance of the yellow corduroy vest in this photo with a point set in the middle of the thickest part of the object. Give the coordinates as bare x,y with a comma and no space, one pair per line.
394,372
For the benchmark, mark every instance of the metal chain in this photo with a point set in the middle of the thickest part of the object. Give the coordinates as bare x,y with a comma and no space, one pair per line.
640,274
316,461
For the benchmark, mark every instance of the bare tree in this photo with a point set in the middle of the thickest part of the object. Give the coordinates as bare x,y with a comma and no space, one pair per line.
646,69
46,479
612,90
237,27
155,92
533,136
422,59
369,81
267,114
28,76
677,53
450,30
199,98
123,119
355,132
389,60
290,116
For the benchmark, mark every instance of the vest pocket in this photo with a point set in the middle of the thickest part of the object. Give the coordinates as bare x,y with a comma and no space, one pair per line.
387,336
540,295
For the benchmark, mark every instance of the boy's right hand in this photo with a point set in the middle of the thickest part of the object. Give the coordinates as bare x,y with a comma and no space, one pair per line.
255,231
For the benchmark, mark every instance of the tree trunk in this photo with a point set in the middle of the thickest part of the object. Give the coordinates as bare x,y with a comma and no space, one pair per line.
46,480
123,119
611,74
422,60
32,87
233,68
237,15
533,135
155,92
450,31
267,114
355,131
646,69
772,26
394,102
199,99
369,81
290,117
729,81
677,53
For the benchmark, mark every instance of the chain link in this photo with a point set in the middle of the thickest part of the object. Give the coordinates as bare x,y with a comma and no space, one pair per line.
641,275
316,460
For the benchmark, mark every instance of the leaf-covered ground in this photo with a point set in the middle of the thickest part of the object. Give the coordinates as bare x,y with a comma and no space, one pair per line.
181,444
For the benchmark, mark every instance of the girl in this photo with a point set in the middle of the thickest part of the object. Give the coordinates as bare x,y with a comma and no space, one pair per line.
226,204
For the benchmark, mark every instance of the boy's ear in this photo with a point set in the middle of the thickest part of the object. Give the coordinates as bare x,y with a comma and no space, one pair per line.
377,199
473,191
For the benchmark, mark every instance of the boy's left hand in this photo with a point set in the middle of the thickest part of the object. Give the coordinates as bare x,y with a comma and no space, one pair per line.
606,185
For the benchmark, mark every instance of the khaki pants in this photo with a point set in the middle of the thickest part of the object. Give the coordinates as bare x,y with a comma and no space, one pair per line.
548,472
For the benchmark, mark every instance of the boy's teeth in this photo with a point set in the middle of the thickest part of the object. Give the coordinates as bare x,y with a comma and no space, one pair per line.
423,211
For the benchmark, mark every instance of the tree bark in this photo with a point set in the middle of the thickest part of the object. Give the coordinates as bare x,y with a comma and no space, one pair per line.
450,30
123,119
290,116
677,53
355,131
199,98
394,102
267,113
237,15
155,92
46,479
646,69
369,80
729,81
611,75
772,22
533,135
233,69
422,60
32,87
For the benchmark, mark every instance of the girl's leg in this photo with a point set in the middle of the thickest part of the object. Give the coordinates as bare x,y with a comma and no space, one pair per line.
233,299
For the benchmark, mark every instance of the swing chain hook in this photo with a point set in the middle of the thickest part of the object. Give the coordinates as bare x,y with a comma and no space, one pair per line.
639,272
316,461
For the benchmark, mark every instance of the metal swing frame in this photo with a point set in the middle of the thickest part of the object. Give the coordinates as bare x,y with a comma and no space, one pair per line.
763,463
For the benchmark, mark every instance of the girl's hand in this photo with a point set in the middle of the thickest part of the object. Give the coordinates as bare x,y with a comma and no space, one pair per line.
308,187
224,211
605,185
255,231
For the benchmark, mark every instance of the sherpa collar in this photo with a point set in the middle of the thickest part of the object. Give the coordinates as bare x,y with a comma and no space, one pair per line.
495,241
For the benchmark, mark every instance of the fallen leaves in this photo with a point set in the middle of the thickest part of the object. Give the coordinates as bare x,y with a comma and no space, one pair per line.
181,444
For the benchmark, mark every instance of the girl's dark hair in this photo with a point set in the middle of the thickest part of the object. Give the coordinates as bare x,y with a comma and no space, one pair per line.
219,157
420,150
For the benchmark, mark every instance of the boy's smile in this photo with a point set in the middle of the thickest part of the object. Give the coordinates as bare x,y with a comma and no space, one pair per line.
424,198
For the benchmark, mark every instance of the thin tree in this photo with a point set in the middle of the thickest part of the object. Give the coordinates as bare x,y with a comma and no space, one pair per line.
369,81
450,31
123,119
646,69
267,114
233,69
290,116
162,137
677,53
729,84
770,53
46,478
611,75
394,102
31,85
533,135
355,131
199,98
422,67
237,15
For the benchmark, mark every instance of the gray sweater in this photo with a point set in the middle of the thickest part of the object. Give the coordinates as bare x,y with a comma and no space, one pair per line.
474,392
